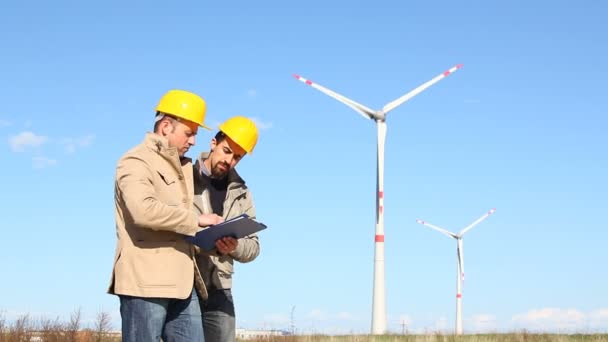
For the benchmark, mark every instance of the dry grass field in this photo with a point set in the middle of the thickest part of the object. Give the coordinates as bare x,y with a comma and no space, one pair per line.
92,336
26,329
517,337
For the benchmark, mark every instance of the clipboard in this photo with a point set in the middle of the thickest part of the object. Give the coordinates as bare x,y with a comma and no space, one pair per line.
237,227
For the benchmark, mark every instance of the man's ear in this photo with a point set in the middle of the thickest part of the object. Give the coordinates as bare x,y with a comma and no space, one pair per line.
165,127
213,144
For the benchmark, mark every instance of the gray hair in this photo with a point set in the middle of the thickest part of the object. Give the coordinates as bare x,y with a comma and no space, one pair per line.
160,116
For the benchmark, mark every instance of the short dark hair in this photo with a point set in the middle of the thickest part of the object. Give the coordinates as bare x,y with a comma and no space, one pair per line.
219,137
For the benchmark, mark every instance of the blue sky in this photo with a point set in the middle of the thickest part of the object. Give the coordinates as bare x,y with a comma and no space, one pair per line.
520,128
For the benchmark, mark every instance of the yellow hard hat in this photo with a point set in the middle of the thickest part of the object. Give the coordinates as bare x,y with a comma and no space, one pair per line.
185,105
242,131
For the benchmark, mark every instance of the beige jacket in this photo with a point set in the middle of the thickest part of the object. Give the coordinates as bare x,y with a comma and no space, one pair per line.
153,205
217,270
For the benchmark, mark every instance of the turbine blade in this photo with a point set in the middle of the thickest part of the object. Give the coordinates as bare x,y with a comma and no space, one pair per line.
441,230
359,108
461,259
466,229
396,103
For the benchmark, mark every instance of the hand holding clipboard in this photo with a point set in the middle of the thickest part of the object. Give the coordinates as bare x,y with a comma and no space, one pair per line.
237,228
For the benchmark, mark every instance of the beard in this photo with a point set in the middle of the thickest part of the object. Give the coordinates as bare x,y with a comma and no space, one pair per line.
220,170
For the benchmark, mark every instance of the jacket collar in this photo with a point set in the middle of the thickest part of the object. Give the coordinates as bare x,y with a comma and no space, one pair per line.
160,145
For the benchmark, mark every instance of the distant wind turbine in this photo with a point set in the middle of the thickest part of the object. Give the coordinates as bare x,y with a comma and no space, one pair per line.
460,256
379,324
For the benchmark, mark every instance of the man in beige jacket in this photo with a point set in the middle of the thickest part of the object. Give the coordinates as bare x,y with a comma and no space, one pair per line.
154,269
219,189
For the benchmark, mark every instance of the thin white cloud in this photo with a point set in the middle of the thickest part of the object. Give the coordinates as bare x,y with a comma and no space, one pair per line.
405,320
346,316
321,315
276,319
481,323
318,321
598,319
266,322
252,93
262,125
72,144
26,139
441,325
43,162
318,314
552,319
402,324
4,123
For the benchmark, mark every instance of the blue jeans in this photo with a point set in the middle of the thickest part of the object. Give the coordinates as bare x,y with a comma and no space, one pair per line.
218,316
149,319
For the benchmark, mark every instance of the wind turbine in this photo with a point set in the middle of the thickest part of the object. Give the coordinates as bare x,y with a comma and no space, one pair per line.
460,256
379,116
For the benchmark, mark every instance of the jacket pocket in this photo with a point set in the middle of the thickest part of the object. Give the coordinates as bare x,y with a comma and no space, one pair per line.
224,267
158,264
169,188
168,178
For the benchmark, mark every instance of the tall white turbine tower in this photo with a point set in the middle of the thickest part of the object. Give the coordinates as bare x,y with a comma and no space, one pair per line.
379,116
460,256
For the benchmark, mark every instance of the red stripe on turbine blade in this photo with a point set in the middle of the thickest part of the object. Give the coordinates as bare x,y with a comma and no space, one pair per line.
308,82
380,194
296,76
459,296
458,66
381,209
379,238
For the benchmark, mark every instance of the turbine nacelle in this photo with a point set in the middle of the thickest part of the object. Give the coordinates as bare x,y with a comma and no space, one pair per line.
378,115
